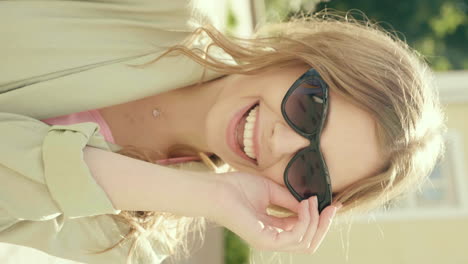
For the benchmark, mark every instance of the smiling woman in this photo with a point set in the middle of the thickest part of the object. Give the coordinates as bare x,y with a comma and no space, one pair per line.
324,110
372,135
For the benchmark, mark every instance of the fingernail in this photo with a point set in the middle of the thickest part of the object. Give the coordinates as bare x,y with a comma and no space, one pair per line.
300,239
332,216
338,206
314,201
262,226
334,212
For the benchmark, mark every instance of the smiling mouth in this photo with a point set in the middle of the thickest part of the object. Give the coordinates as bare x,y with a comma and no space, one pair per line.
245,132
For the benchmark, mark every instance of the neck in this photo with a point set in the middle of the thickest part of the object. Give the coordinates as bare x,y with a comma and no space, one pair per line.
184,113
181,121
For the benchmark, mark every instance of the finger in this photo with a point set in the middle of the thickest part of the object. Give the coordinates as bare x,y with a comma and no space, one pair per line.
310,233
285,223
326,218
281,196
288,238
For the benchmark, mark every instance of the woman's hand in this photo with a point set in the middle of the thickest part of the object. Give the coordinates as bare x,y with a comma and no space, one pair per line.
242,209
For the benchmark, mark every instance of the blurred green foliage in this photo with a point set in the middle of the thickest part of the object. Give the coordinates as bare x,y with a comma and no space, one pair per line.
438,29
232,21
236,250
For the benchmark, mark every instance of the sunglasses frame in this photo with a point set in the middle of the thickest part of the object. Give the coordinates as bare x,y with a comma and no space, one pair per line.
326,200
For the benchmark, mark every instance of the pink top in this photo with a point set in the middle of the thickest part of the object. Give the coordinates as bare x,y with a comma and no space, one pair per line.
95,116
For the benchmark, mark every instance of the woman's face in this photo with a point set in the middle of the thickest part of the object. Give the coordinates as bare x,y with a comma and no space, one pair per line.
348,141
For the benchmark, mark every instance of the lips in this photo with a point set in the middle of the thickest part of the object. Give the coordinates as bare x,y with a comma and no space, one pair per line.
235,132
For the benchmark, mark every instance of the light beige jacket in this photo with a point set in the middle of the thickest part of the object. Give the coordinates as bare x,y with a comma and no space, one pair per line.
62,57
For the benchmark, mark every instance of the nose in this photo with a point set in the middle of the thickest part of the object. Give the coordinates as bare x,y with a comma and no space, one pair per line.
286,141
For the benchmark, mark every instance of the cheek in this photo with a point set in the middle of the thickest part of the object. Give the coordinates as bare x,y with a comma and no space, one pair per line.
275,172
215,125
275,93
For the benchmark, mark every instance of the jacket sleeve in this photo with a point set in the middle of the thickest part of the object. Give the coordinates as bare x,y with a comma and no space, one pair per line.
62,57
48,198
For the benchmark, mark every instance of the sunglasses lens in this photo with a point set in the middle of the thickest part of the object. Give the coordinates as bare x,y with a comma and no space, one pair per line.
304,106
305,175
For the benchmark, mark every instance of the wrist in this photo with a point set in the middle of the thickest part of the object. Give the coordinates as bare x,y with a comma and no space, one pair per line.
213,201
197,194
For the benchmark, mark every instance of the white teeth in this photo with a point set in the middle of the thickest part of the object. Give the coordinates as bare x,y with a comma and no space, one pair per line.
248,133
248,143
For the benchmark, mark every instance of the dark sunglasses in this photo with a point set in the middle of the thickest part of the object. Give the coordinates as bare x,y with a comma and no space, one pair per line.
304,107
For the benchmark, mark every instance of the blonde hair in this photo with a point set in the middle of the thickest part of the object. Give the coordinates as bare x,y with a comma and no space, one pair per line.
369,66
